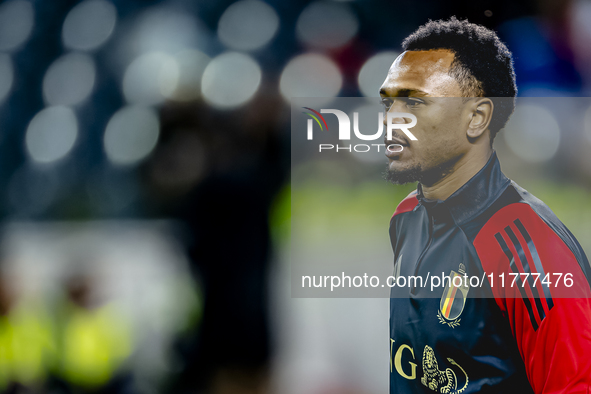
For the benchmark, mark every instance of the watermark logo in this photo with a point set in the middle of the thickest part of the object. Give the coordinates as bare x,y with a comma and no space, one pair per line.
394,120
315,117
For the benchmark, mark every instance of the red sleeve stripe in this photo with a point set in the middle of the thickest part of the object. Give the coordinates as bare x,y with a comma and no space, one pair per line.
537,262
527,270
524,296
517,268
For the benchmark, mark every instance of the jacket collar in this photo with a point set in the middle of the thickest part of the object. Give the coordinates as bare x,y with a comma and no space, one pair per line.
474,196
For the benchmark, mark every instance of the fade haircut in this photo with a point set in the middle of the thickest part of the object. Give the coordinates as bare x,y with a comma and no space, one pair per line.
482,65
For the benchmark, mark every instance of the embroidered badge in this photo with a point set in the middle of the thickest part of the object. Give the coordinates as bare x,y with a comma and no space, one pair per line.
453,298
440,381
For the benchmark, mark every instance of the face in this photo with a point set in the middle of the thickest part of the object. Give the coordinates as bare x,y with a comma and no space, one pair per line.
416,83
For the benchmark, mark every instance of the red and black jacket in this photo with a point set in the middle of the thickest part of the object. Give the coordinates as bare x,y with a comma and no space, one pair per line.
521,336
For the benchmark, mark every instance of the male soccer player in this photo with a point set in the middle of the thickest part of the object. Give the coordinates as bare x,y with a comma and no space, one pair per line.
466,220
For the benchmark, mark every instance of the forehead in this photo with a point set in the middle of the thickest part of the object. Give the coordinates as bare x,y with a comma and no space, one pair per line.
425,72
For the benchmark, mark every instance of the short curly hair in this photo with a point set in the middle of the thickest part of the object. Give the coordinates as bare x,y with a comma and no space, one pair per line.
482,64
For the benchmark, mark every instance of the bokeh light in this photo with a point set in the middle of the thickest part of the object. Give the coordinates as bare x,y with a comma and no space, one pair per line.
131,135
6,75
160,29
16,24
69,80
51,134
310,75
248,25
150,78
230,80
580,14
374,71
191,64
89,25
326,25
532,133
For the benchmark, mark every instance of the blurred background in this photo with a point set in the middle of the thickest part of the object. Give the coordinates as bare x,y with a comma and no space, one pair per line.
145,184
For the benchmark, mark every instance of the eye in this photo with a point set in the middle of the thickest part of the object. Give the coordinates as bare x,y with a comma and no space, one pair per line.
409,102
387,103
413,102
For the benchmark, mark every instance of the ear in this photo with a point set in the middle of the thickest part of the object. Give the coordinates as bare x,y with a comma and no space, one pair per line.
481,114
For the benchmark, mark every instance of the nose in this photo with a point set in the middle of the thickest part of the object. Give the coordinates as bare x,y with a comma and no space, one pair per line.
395,120
396,107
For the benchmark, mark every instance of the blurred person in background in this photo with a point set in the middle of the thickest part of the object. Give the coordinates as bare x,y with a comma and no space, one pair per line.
27,346
218,173
467,218
94,342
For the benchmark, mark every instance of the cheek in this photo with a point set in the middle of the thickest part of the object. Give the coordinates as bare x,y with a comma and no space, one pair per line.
445,126
438,129
438,143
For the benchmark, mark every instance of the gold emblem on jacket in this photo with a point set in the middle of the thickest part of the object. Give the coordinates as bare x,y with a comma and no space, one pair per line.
453,298
446,381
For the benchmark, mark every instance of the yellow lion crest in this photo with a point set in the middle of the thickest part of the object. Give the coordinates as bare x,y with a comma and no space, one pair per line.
445,382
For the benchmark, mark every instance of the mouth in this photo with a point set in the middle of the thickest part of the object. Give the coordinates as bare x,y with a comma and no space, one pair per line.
396,140
395,147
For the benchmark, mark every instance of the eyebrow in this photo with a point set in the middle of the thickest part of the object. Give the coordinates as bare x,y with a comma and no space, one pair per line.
404,93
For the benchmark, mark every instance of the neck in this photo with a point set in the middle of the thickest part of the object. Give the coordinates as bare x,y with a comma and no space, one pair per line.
463,171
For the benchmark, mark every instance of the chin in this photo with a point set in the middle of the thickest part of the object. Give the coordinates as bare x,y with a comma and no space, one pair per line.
400,175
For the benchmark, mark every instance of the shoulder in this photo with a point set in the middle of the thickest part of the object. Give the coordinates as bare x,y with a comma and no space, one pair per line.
525,235
518,212
407,205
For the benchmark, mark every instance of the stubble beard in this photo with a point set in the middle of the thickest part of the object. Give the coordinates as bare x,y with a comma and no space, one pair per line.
417,173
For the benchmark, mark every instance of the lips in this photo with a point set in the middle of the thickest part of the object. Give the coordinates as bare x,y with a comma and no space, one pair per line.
396,150
396,140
